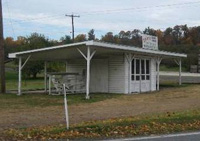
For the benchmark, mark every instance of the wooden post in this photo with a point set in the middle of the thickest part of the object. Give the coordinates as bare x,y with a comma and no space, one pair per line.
130,73
45,76
66,107
158,72
49,84
140,76
129,58
180,69
87,58
19,76
158,76
88,74
2,53
178,62
150,74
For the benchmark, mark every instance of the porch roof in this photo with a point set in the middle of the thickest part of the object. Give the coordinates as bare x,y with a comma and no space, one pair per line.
70,51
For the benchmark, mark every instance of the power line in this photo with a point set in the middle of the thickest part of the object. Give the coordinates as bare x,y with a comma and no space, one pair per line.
73,16
114,10
139,8
41,18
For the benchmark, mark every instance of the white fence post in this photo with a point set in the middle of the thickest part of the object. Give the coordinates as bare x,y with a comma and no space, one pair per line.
45,76
66,107
20,77
180,69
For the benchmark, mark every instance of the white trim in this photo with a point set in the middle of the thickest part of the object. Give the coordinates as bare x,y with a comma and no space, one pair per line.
88,74
137,49
103,45
25,62
82,53
15,55
92,54
158,61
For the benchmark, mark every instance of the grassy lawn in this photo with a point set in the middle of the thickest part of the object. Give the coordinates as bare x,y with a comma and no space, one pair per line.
9,101
171,69
27,84
173,109
170,120
115,128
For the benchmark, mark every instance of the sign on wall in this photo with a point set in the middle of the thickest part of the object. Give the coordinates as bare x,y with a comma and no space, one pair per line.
149,42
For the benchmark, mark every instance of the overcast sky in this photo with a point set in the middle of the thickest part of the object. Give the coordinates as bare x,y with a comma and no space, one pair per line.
22,17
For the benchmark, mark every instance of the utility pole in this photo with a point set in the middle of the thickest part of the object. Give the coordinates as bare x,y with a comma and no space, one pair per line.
2,52
72,16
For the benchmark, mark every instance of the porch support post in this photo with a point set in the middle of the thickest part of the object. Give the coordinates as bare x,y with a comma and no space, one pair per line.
129,58
180,69
88,59
88,74
140,76
19,76
45,76
20,67
158,61
178,62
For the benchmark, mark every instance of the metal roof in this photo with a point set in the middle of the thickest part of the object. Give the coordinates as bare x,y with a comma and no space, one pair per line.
102,45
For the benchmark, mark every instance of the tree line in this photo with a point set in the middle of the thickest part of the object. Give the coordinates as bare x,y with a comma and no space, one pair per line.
180,38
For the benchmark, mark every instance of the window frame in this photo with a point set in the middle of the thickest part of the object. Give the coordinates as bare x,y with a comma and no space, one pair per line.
143,75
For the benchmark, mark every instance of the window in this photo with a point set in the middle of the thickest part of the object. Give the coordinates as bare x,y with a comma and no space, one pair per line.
137,66
147,70
140,69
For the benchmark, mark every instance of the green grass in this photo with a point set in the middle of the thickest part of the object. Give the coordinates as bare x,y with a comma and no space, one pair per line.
171,69
9,101
116,128
27,84
171,84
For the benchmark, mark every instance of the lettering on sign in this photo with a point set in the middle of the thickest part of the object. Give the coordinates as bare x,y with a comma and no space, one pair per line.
149,42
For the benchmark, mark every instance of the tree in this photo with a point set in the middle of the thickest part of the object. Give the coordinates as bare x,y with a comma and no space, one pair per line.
109,37
35,41
91,35
150,31
80,38
66,40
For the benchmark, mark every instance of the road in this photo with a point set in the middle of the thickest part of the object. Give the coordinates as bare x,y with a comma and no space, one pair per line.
195,136
174,77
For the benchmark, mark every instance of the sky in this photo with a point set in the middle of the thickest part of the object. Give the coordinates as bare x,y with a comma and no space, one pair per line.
23,17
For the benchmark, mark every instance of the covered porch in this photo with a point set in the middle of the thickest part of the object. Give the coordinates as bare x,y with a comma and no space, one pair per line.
90,51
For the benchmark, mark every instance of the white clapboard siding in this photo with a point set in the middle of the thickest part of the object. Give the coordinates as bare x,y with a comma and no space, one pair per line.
98,73
76,66
153,74
99,76
116,77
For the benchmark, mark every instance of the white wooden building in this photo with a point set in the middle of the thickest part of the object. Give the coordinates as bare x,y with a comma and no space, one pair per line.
109,68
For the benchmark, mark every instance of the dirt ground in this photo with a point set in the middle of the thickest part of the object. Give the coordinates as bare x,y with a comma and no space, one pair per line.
167,100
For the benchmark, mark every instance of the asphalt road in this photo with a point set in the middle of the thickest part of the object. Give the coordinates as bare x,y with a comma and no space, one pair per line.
195,136
174,77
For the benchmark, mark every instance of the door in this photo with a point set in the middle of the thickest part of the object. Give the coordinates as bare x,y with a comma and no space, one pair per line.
99,75
140,75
